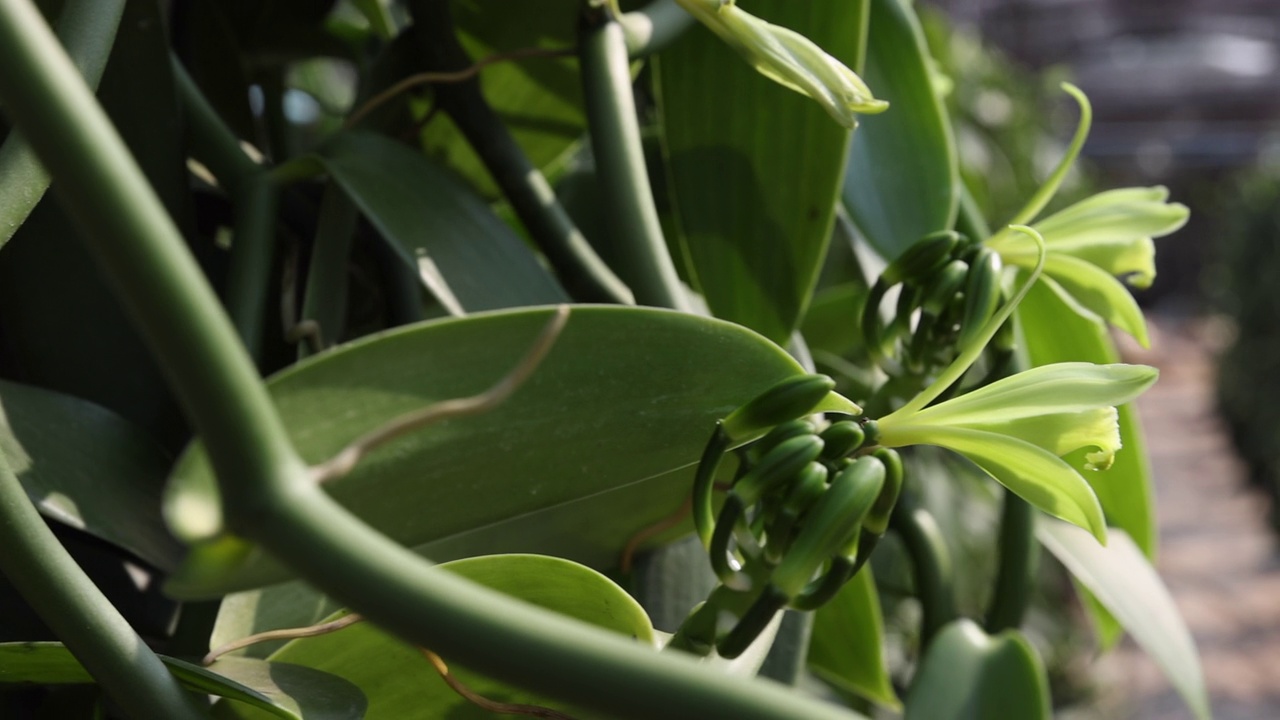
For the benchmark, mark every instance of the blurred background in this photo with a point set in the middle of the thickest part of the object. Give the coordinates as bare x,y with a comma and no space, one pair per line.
1186,94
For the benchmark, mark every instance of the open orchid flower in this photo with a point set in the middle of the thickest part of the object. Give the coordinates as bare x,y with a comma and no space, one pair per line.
789,59
1017,429
1092,245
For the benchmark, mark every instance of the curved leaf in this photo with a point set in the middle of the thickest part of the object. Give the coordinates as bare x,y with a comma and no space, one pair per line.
1120,577
902,181
401,684
754,192
272,689
89,468
847,648
598,444
968,675
468,258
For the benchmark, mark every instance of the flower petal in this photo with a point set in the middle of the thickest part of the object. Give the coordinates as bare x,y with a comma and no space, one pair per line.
1099,292
1062,433
1046,390
1036,475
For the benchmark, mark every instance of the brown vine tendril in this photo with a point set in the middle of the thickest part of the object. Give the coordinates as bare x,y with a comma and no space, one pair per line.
282,634
485,703
346,459
456,76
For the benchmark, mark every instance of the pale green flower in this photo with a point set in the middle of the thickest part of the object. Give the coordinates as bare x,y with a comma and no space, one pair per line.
789,59
1017,429
1095,243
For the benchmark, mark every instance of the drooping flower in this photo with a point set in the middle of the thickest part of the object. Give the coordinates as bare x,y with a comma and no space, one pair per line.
1017,429
1095,244
789,59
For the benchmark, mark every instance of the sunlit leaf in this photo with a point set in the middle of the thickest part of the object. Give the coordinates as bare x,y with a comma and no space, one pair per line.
846,648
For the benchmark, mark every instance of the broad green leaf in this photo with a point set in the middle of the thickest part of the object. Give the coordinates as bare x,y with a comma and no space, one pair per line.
89,468
599,443
1120,577
902,181
468,258
969,675
1035,474
538,98
271,689
401,684
830,325
846,648
754,169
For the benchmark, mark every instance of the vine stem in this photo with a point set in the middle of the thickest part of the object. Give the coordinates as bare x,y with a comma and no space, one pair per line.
81,616
266,488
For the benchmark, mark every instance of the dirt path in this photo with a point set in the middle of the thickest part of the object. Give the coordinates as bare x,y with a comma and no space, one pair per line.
1218,555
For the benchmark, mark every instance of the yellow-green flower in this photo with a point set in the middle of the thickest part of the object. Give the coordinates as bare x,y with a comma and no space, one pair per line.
1097,242
789,59
1017,429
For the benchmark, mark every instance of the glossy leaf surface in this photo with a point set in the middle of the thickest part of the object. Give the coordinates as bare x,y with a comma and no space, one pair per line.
902,180
1120,577
397,678
754,192
468,258
261,688
89,468
596,445
846,648
969,675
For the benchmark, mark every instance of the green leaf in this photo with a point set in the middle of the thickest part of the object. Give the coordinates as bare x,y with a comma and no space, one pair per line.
846,648
1120,577
538,98
401,684
468,258
1035,474
273,689
969,675
599,443
89,468
902,181
754,169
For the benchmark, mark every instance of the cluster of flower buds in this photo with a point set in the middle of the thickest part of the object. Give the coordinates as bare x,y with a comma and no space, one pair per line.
807,504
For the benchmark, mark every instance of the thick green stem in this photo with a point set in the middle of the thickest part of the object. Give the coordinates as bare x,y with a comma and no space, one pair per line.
653,27
1019,554
930,564
87,29
581,271
81,616
645,265
324,301
266,489
254,197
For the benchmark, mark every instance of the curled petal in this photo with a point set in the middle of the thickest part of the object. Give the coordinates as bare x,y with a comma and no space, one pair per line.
789,59
1034,474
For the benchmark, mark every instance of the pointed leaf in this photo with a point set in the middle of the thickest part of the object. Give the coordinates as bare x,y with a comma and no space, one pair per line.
902,181
401,684
599,443
468,258
968,675
89,468
754,192
273,689
1123,581
847,649
1036,475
